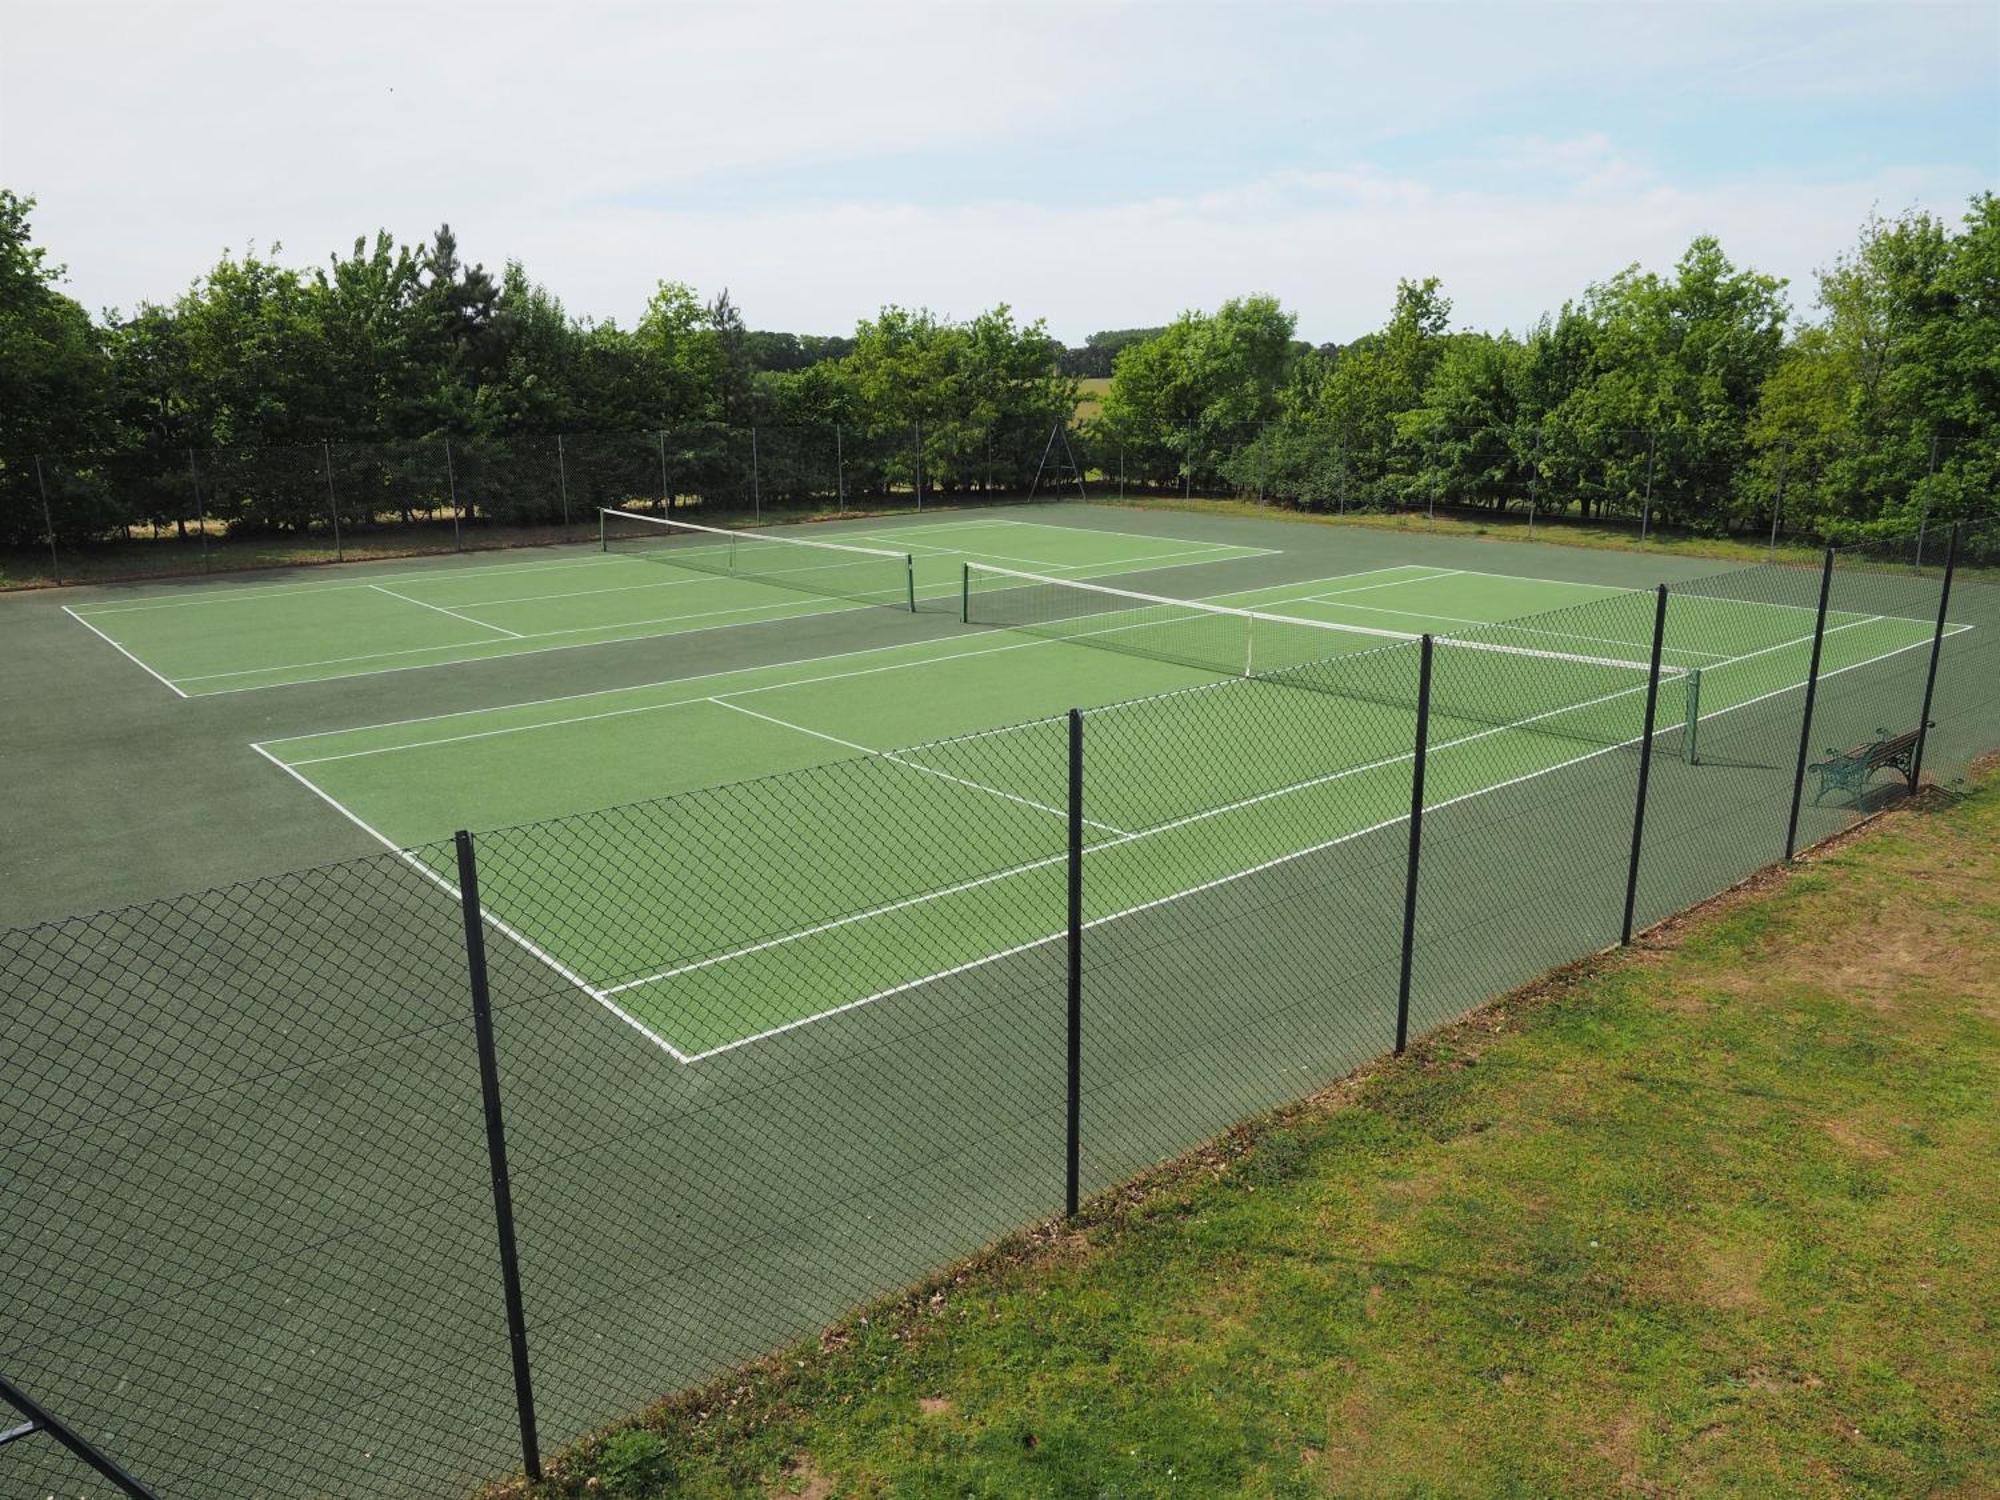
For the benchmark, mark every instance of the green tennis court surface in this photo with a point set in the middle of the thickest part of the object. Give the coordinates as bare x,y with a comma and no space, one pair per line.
232,638
935,841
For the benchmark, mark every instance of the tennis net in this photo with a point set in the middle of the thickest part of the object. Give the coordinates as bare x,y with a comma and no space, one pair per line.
1596,699
870,575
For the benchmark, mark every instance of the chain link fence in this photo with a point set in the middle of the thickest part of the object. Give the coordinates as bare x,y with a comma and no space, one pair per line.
84,517
369,1181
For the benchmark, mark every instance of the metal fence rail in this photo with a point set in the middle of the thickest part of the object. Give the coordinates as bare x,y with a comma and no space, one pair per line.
339,1184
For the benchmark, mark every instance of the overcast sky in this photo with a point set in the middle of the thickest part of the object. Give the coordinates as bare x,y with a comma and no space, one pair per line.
1098,164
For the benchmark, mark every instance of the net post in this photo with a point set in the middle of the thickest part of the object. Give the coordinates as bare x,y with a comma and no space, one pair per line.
41,1419
1806,718
910,580
496,1152
1645,762
965,593
332,505
1417,754
48,522
1074,1119
603,531
1937,645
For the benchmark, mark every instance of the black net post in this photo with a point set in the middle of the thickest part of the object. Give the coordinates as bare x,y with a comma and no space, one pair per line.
41,1419
1073,1129
1416,842
496,1153
48,521
1645,761
332,505
1937,644
1806,718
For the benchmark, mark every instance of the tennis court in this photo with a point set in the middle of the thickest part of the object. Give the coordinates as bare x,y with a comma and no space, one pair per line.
943,848
227,638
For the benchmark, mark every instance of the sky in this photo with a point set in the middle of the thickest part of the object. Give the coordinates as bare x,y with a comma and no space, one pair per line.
1097,163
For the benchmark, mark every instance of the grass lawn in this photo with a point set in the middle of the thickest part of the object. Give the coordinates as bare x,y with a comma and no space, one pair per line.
1718,1216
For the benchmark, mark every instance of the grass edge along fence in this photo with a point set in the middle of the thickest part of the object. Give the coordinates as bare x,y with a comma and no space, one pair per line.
274,1232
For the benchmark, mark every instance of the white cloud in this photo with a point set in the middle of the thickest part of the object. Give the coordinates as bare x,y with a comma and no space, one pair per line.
1288,148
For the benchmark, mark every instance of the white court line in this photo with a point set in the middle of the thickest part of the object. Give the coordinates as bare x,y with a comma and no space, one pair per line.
222,593
1221,810
540,635
895,758
533,949
167,683
799,609
1560,635
1244,874
675,682
603,996
1393,583
421,604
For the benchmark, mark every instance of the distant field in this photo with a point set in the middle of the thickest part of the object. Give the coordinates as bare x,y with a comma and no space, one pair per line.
1091,397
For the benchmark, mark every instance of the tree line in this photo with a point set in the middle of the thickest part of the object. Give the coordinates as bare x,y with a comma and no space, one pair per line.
1698,395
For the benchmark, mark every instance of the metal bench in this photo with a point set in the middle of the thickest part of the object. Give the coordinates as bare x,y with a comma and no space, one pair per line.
1849,770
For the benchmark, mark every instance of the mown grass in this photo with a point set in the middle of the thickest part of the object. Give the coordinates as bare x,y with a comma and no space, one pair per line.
1717,1216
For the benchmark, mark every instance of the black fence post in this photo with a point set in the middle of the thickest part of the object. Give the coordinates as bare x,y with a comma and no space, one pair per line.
41,1419
496,1154
1805,719
1645,762
1416,841
48,522
1937,644
1074,1129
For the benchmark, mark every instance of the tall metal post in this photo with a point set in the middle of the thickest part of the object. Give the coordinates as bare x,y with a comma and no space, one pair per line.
200,509
48,522
666,492
1646,507
1937,645
332,505
1805,719
1417,759
1778,501
920,463
1534,482
1074,1131
756,483
839,466
41,1419
1924,515
451,482
1645,762
496,1153
1121,471
562,480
